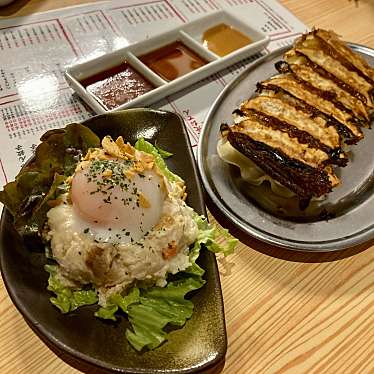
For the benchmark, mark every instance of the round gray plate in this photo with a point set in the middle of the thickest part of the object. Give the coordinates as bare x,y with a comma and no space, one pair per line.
352,202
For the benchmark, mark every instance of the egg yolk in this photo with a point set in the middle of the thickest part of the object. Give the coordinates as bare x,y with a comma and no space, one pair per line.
115,207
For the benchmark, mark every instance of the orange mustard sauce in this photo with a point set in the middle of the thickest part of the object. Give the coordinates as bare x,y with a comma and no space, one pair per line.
223,39
172,61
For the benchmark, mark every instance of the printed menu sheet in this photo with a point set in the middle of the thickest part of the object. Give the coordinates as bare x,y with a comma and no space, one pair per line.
35,51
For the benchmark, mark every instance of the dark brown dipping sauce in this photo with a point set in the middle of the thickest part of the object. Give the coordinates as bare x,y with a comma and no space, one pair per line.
173,61
117,85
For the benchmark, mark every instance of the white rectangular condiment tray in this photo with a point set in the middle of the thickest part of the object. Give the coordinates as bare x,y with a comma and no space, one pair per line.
190,35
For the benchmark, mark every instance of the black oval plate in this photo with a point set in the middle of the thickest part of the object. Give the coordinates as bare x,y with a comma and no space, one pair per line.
199,345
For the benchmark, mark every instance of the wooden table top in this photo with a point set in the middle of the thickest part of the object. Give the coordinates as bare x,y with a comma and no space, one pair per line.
285,311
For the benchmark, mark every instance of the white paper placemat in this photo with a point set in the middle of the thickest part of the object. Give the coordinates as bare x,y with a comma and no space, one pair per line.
35,50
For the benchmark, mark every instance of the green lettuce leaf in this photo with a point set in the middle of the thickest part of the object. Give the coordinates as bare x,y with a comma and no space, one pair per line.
107,312
66,298
162,152
40,179
143,145
117,301
157,308
209,236
151,309
78,139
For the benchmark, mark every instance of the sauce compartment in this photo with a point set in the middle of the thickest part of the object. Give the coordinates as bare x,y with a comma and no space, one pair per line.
117,86
226,33
173,61
148,71
223,39
102,82
172,56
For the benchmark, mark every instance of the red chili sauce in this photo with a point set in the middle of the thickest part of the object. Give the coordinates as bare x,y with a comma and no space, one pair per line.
117,85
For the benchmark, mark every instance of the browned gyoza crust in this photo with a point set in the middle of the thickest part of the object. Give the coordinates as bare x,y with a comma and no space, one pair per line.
307,72
330,54
296,127
303,180
351,60
313,112
278,114
300,90
290,142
